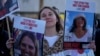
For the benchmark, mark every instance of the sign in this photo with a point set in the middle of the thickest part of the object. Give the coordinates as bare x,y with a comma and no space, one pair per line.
28,34
79,23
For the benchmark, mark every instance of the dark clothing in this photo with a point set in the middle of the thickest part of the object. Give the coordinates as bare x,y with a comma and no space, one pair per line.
97,42
3,38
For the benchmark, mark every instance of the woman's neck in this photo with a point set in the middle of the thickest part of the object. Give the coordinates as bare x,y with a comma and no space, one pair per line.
50,31
79,29
79,32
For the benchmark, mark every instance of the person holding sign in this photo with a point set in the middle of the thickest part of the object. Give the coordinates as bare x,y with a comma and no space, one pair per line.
53,39
3,38
27,44
78,32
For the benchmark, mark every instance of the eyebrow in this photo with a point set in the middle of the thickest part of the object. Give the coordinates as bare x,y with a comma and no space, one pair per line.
50,12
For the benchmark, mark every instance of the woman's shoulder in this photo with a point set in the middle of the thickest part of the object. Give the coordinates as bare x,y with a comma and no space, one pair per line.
89,33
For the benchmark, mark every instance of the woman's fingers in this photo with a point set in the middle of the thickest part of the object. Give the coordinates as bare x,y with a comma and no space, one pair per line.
92,45
9,43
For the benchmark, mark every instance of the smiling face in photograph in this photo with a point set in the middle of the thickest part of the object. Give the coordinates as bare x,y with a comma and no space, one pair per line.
27,47
79,22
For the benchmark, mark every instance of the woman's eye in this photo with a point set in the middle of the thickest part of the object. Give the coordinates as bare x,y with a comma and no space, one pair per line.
31,47
50,14
23,44
43,15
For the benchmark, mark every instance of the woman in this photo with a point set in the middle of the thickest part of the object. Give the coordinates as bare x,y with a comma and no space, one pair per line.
53,39
79,33
3,38
28,44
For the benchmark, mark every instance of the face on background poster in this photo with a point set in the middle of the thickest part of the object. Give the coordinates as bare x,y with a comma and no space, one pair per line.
7,7
26,43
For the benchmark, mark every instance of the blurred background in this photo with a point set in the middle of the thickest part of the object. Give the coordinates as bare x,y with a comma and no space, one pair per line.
30,8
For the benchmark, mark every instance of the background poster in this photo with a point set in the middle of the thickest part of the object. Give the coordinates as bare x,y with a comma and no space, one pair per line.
7,7
28,36
78,9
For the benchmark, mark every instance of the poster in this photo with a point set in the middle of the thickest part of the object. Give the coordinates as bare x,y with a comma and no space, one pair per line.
7,7
28,34
81,52
79,24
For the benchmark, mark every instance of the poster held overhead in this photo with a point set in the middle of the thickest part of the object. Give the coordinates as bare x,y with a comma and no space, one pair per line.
7,7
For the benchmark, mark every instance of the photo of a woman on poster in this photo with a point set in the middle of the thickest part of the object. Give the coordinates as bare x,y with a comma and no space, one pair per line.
80,30
26,44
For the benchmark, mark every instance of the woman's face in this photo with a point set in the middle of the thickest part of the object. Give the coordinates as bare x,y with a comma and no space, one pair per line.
79,22
49,16
27,47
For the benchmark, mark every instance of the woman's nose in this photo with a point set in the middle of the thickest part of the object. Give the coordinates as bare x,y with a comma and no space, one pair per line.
48,17
27,49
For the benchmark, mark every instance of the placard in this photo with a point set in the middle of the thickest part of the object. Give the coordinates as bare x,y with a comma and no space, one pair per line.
28,34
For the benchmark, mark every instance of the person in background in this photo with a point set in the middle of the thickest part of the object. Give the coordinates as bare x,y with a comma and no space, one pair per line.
5,6
4,51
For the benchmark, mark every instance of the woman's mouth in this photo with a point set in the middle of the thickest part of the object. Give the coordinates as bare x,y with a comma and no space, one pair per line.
26,54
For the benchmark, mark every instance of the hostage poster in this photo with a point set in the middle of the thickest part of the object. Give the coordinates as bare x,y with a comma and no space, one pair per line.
79,23
28,34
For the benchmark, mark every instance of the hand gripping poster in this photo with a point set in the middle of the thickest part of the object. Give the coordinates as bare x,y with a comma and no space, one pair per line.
7,7
28,34
79,24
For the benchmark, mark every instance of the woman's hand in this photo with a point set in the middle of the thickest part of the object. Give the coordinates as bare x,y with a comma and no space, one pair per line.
92,45
9,43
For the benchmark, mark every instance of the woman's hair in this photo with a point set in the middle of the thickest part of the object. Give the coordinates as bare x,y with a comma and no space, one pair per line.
58,23
74,26
32,37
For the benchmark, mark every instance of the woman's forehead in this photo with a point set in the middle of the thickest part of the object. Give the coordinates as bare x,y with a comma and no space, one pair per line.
46,10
